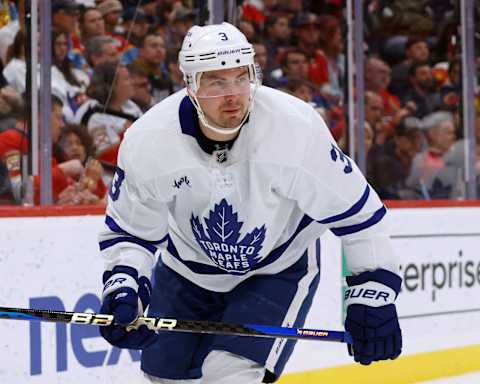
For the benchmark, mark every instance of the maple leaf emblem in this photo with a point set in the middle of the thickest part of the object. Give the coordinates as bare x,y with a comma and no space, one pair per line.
221,241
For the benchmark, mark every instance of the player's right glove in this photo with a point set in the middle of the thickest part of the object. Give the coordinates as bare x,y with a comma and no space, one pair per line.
125,296
372,317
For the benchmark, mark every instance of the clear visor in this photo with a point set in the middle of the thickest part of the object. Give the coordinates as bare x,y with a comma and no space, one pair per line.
213,85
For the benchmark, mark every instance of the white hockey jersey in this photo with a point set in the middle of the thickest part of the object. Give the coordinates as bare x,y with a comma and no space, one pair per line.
283,183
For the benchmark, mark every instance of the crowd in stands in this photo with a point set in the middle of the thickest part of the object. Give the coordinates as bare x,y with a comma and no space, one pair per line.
114,59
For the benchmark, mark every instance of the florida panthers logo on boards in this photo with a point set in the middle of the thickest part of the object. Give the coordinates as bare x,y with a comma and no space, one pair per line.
221,241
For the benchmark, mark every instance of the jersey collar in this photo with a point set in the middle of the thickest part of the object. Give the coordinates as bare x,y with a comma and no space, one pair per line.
190,126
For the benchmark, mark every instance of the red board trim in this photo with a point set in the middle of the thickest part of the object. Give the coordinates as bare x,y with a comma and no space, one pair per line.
82,210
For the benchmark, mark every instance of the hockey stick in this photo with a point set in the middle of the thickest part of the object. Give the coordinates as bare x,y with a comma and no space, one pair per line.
161,324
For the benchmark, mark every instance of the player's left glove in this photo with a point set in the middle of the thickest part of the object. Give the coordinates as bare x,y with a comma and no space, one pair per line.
372,317
126,295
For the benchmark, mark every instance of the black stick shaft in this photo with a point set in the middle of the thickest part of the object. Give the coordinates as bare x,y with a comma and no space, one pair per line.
163,324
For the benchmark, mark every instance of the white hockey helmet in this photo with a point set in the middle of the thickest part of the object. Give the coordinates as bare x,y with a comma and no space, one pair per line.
216,47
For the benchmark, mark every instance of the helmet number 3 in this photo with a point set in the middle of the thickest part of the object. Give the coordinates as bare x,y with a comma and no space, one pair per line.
223,36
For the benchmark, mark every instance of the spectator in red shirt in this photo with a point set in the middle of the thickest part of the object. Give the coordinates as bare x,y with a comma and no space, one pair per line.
14,143
377,79
75,143
321,39
6,195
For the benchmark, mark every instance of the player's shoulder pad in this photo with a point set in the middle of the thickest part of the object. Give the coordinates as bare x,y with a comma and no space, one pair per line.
284,125
156,136
277,101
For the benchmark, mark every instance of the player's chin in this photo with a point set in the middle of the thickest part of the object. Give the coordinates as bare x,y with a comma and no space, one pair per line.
232,122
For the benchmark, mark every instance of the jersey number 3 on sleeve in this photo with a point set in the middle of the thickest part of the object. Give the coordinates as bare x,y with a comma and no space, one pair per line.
336,153
116,183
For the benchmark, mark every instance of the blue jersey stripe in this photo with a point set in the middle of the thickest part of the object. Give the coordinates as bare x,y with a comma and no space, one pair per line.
127,239
188,117
302,314
280,250
114,227
349,229
192,265
270,258
354,209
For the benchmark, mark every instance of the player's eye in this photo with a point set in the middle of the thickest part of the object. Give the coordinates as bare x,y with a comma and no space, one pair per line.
216,83
243,79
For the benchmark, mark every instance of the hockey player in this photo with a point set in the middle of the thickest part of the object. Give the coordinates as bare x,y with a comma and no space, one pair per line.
223,189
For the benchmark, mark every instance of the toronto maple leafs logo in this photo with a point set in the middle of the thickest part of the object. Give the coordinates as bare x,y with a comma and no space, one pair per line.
221,241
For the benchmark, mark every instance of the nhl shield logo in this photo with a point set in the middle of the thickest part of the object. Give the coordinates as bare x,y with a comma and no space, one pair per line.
221,240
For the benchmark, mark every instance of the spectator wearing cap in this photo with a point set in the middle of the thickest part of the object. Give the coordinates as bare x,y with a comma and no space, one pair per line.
111,11
307,32
65,15
439,130
182,19
277,39
416,50
396,156
135,23
151,56
65,19
422,92
101,49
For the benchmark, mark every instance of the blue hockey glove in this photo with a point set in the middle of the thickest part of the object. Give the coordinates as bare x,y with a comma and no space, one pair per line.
372,317
125,296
